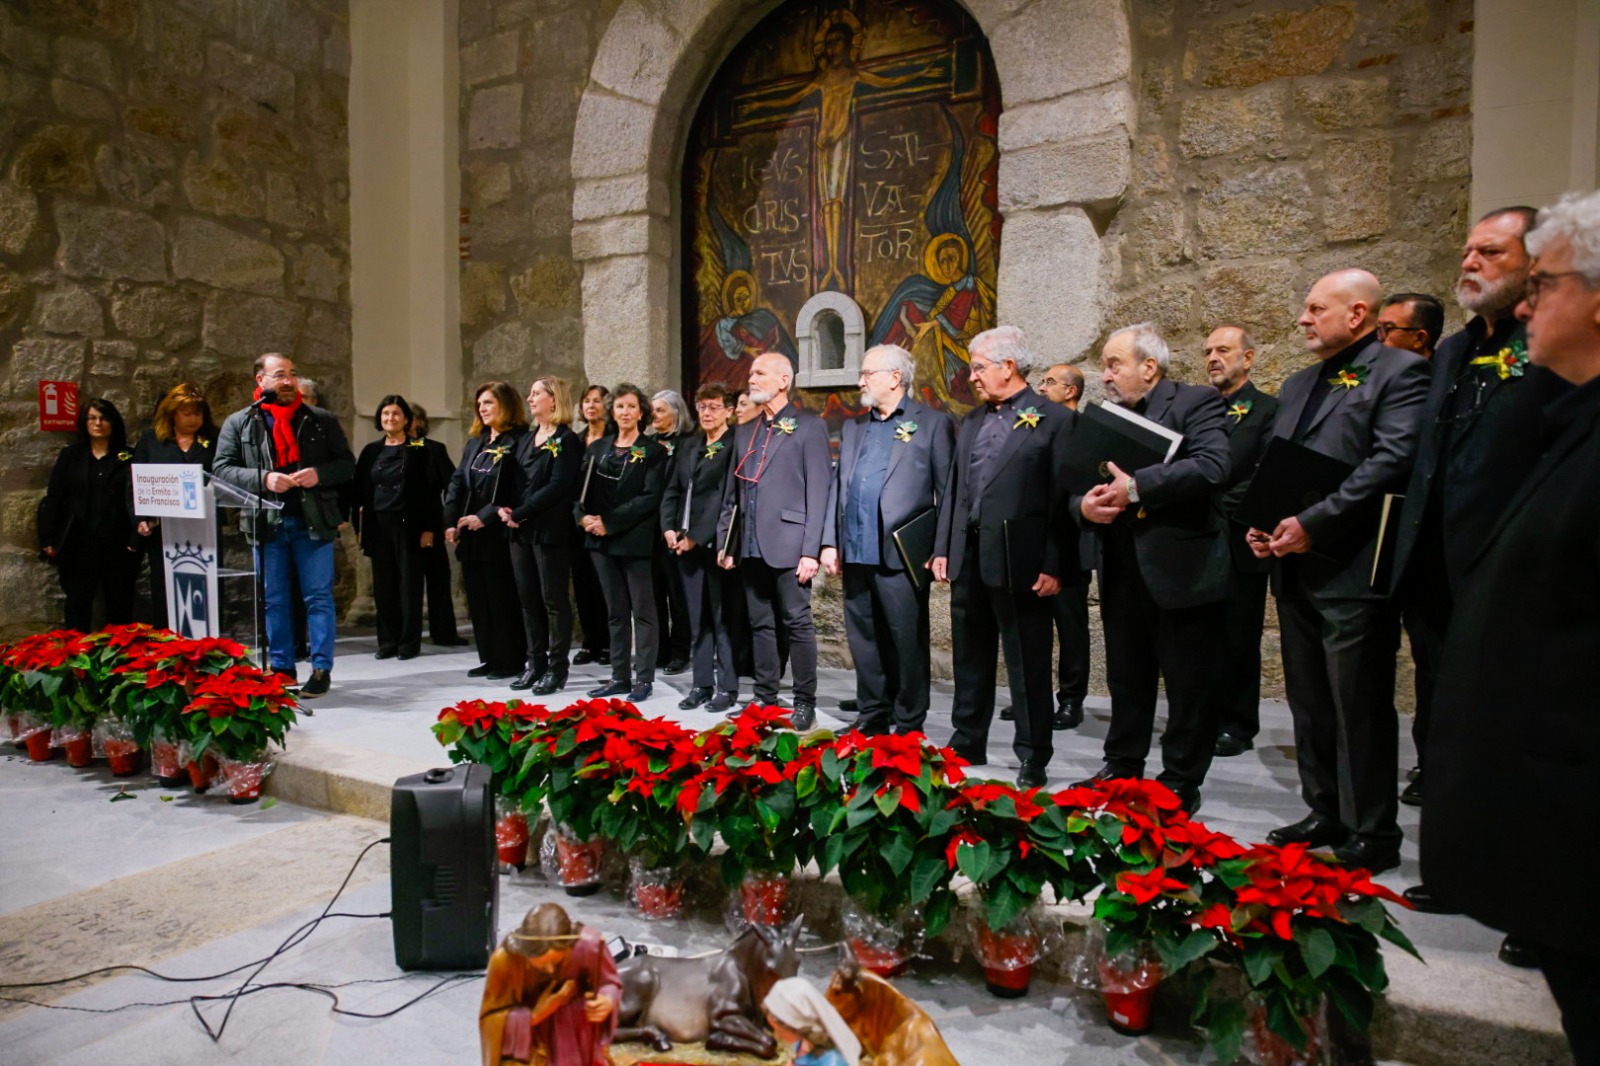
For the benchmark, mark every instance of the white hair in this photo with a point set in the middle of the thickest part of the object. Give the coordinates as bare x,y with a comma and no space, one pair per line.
1147,343
898,359
309,391
1576,216
682,421
1006,344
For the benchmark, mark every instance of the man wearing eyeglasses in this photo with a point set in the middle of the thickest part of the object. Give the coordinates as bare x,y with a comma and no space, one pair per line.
775,503
1413,321
1516,731
1001,546
894,468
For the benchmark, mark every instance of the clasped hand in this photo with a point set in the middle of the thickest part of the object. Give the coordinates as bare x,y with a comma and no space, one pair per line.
1289,537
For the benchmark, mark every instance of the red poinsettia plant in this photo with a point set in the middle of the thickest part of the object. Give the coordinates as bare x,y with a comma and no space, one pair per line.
571,743
40,681
885,812
1011,843
649,761
155,679
493,733
238,712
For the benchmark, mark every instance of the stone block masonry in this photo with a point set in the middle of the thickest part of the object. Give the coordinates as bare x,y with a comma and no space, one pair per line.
174,178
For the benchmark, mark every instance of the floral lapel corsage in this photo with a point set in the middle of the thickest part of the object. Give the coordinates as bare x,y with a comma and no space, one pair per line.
497,453
712,449
124,455
1508,362
670,445
1240,409
905,431
786,425
553,446
636,454
203,442
1351,376
1028,416
416,442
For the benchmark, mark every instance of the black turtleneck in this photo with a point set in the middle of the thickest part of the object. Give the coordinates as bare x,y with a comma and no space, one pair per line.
1322,384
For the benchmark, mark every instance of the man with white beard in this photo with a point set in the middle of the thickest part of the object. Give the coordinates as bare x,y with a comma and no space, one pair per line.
894,467
1477,446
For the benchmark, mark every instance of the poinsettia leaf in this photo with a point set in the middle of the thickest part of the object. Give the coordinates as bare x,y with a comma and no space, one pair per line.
1258,964
973,859
926,875
887,802
805,782
1317,947
1179,952
938,912
831,768
898,853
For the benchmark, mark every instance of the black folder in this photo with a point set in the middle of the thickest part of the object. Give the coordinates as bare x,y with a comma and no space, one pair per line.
1106,435
1024,543
1291,478
583,493
1388,533
732,536
914,541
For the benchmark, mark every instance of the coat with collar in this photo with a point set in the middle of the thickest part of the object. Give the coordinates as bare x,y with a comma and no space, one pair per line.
699,479
1516,725
244,459
549,476
792,500
918,478
630,507
1374,427
1178,528
467,494
421,502
1022,486
1247,440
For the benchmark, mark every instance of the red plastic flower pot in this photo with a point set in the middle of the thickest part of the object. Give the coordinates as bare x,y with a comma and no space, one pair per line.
1008,960
166,764
244,782
511,839
1273,1050
657,901
201,773
123,755
579,864
764,898
1129,994
39,749
79,748
881,960
14,724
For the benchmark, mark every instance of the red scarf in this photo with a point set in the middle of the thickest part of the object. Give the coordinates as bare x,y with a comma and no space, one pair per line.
285,449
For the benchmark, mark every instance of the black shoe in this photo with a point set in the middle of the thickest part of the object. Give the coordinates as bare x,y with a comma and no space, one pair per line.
722,701
610,688
1008,713
602,658
676,666
1188,798
1069,715
554,680
1413,773
697,697
804,716
1313,830
1519,953
584,657
385,653
451,642
1229,745
1365,855
1412,796
481,670
408,653
316,686
1105,773
503,675
850,706
640,692
1423,900
1031,776
526,679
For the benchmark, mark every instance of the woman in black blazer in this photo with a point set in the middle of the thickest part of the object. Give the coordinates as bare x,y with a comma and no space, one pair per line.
619,511
671,424
487,479
397,516
541,542
85,524
593,423
182,433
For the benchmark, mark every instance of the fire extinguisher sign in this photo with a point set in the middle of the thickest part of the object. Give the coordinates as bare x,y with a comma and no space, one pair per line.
58,405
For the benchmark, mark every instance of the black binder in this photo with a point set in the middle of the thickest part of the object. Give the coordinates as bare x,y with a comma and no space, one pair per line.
1291,478
1388,533
583,493
1107,434
914,541
732,535
1024,544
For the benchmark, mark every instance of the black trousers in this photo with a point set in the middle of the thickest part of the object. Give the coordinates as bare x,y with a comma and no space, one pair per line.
631,603
672,607
1146,644
981,616
886,623
1338,671
590,596
542,572
776,600
711,644
496,615
1574,981
90,566
1425,606
1239,685
436,579
397,579
1072,630
150,552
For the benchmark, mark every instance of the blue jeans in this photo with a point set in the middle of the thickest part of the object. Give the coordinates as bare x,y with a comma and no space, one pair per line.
294,549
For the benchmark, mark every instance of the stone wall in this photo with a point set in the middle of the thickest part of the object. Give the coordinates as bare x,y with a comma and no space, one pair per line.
173,202
524,64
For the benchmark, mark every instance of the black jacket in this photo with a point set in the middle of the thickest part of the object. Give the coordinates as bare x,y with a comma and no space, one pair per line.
918,478
64,514
631,505
701,480
549,487
244,459
482,489
1248,432
420,493
791,500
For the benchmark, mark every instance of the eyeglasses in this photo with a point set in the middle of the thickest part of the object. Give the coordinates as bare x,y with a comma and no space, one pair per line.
710,407
976,367
1386,328
1538,282
865,374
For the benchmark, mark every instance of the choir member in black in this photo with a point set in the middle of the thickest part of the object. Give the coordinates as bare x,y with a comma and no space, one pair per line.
182,432
397,517
84,521
436,560
542,539
619,510
594,413
670,423
487,479
689,510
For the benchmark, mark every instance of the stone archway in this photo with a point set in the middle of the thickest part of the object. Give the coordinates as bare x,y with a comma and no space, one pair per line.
1064,69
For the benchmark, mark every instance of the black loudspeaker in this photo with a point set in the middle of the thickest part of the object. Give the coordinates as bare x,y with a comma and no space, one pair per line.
445,895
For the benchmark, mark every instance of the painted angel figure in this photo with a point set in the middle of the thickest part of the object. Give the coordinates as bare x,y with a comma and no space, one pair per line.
936,314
